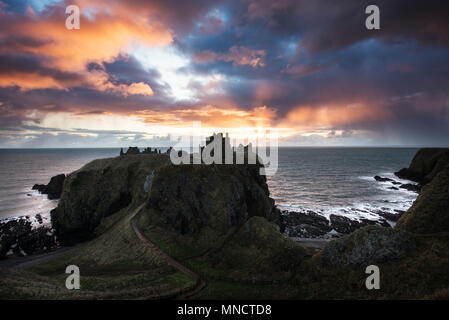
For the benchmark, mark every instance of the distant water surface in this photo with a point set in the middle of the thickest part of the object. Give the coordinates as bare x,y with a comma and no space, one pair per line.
326,180
341,180
20,169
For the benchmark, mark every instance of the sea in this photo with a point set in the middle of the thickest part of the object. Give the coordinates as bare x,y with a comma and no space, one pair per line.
325,180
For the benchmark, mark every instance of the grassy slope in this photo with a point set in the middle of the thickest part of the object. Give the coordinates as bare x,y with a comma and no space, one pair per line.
430,212
254,262
114,265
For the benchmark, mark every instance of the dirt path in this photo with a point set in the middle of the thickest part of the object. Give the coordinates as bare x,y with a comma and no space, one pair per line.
32,260
200,283
311,242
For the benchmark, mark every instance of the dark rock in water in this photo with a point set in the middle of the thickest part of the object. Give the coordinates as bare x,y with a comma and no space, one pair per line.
411,187
345,225
426,164
381,179
396,183
390,216
393,188
309,224
368,245
53,189
430,211
305,224
39,218
19,237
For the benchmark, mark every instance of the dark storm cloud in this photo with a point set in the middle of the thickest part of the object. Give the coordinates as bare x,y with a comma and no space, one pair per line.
29,64
325,24
312,54
128,70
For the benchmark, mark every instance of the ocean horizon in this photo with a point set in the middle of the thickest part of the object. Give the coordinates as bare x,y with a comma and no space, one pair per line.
327,180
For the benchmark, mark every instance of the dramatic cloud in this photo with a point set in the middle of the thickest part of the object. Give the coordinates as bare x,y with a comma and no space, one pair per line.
239,56
139,70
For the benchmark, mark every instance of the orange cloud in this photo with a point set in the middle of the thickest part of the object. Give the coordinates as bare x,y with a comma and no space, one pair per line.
29,81
333,115
103,38
99,79
211,116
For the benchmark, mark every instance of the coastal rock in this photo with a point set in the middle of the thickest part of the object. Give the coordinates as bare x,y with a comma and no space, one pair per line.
99,189
430,211
309,224
345,225
390,216
19,237
426,164
411,187
182,198
368,245
381,179
53,189
39,218
189,198
305,224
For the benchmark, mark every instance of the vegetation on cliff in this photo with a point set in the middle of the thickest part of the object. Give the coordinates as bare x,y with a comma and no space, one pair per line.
430,212
100,189
426,164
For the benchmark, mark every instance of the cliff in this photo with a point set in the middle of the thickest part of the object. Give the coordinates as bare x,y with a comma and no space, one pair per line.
426,164
98,190
186,199
430,212
53,189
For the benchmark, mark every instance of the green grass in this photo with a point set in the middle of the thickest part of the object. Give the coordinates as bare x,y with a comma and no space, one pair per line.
116,265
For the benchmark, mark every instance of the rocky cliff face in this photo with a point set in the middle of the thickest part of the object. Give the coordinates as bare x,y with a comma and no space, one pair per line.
190,197
368,245
100,189
426,164
430,211
184,198
53,189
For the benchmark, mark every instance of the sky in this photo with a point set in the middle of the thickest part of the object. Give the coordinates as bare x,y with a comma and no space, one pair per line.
139,72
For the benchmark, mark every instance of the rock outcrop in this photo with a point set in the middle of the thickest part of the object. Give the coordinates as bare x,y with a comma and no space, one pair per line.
397,185
53,189
20,238
309,224
430,211
188,198
182,198
425,165
368,245
99,189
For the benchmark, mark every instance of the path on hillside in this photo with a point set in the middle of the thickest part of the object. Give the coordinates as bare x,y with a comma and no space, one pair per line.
34,259
200,283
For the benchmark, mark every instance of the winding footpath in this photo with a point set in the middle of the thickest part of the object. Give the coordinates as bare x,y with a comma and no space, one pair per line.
200,283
